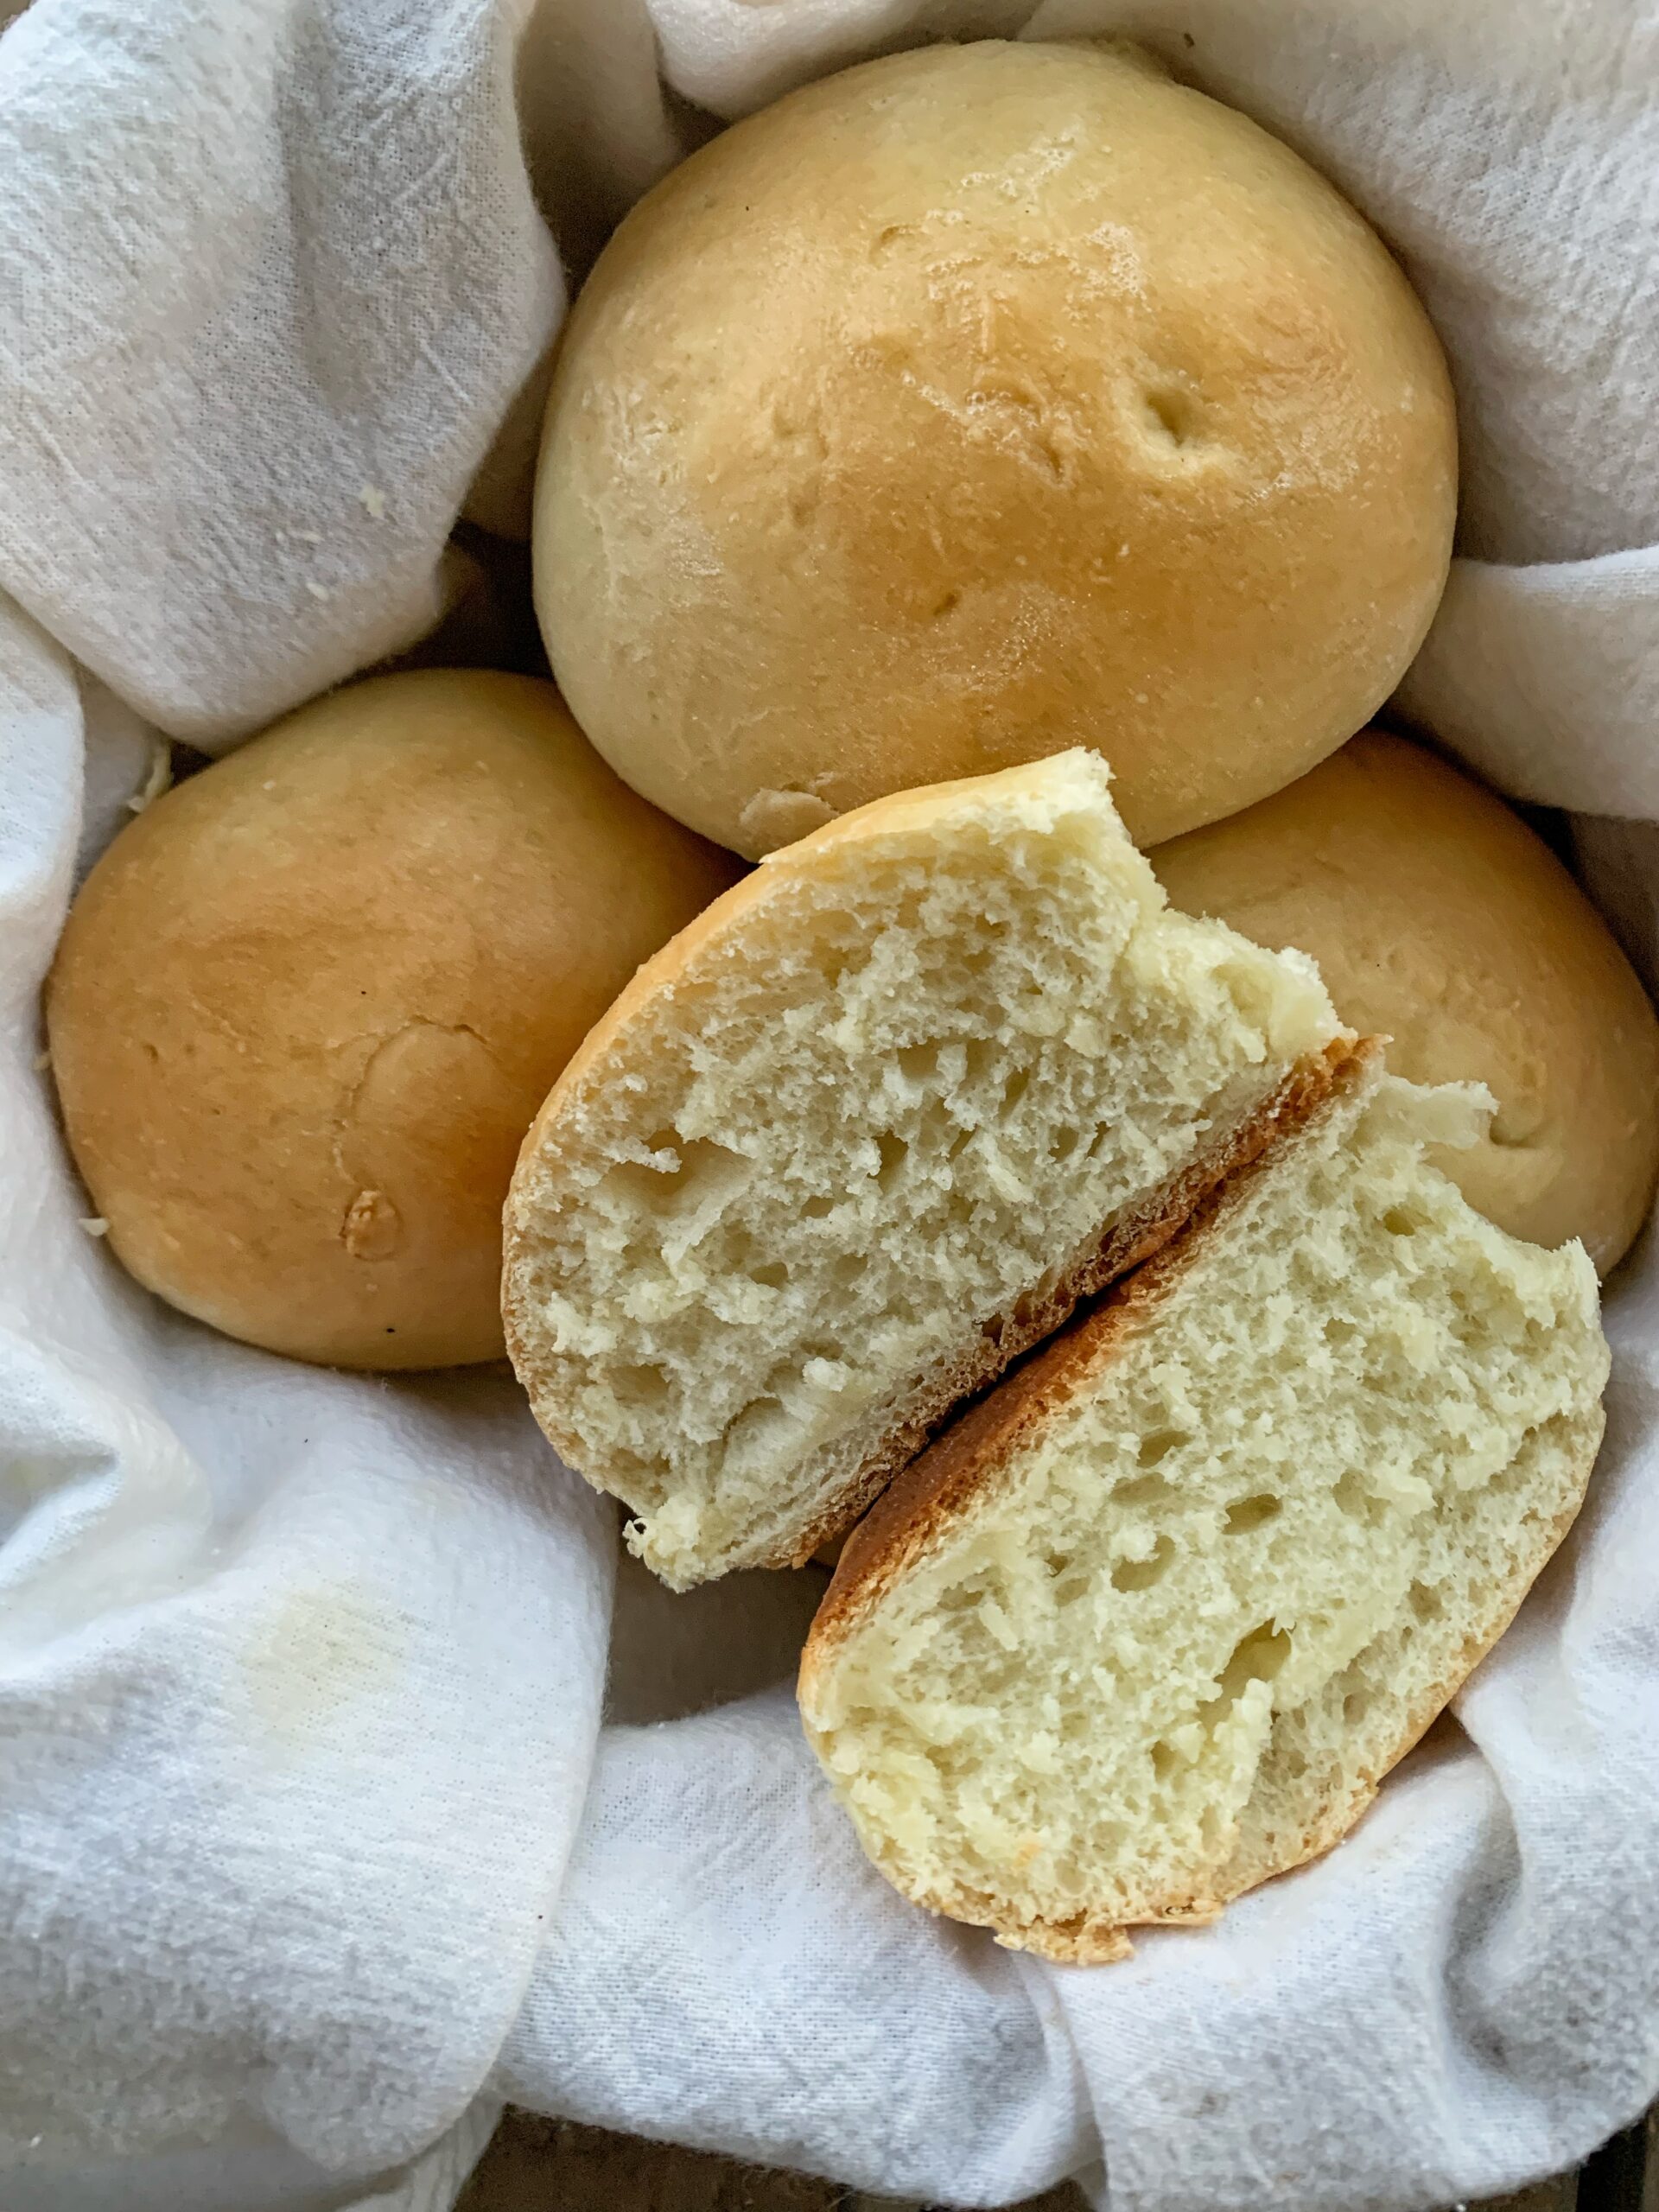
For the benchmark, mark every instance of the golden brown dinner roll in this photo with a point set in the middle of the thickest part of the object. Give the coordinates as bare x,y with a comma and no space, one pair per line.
975,403
307,1004
1438,917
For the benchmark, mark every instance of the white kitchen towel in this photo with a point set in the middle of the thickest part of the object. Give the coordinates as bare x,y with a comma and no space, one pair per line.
311,1840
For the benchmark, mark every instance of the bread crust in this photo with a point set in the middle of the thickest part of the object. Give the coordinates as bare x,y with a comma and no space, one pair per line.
936,1489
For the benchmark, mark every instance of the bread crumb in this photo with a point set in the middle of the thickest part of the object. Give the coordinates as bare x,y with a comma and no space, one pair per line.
159,779
94,1224
375,500
42,1060
317,590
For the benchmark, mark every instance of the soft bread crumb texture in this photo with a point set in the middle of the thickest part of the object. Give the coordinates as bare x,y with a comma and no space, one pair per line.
837,1155
1152,1624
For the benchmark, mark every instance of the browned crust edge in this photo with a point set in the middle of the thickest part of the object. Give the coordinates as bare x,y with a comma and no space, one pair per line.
929,1401
934,1488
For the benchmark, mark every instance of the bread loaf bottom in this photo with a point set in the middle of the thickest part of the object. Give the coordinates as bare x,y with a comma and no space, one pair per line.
1149,1624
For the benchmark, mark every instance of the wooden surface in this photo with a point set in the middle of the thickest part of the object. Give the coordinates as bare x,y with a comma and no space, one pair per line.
553,2165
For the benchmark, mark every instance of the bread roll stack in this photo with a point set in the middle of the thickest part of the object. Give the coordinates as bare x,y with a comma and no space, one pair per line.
963,422
981,466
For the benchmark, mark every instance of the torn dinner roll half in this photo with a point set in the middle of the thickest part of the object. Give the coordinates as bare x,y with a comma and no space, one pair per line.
863,1134
1150,1624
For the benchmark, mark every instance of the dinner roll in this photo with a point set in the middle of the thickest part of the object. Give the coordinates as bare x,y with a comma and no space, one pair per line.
307,1004
1150,1624
864,1132
977,403
1439,918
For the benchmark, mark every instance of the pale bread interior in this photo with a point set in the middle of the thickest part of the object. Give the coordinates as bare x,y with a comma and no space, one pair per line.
842,1141
1267,1511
